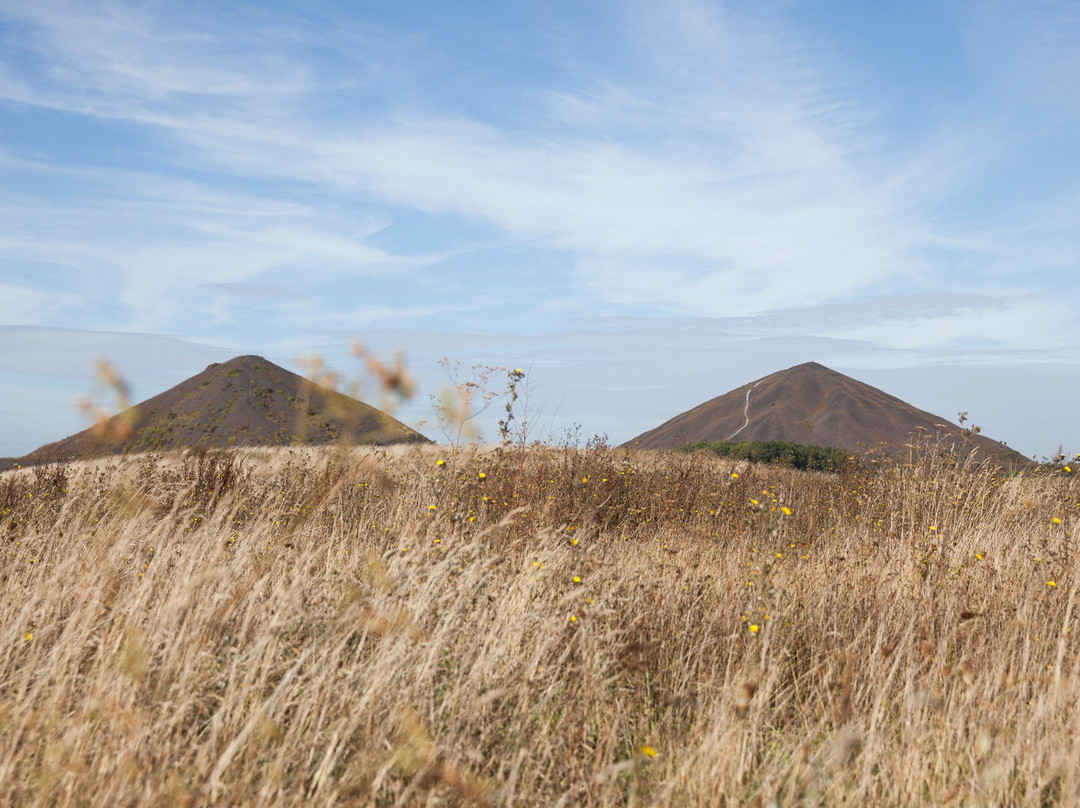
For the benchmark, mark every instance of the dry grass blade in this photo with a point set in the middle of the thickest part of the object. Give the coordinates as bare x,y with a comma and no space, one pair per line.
534,626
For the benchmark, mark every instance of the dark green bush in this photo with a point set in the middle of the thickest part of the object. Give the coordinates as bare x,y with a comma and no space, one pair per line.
778,452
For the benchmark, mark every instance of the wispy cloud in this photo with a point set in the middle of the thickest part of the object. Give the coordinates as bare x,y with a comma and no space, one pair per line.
742,156
22,305
114,53
250,290
759,178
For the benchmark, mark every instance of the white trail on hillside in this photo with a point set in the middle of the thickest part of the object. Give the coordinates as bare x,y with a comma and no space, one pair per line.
746,411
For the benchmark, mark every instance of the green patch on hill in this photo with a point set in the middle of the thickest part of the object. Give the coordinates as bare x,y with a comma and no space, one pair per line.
778,452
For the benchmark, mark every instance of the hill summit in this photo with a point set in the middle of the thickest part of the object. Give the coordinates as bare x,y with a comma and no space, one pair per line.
811,404
247,401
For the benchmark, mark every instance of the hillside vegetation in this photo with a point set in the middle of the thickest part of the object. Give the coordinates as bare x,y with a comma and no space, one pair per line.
778,452
812,404
417,626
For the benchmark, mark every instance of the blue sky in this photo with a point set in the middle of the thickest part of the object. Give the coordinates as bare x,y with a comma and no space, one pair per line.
645,204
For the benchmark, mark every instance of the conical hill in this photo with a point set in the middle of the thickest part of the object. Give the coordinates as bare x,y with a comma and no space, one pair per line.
247,401
811,404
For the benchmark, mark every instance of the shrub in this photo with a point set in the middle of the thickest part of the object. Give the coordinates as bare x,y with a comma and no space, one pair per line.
779,452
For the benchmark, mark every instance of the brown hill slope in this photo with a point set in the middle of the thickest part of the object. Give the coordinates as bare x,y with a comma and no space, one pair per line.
812,404
247,401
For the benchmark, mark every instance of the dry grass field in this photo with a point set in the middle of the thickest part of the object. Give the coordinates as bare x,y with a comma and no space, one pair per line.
424,626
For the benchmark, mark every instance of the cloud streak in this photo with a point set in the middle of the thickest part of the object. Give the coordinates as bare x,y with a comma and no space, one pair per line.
764,186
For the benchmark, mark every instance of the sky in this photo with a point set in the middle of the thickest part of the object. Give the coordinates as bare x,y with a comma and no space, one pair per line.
642,204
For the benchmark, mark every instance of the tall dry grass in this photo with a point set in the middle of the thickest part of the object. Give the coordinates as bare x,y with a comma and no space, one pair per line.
571,628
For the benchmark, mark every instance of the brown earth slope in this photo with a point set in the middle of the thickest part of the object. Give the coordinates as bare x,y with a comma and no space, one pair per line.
247,401
811,404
